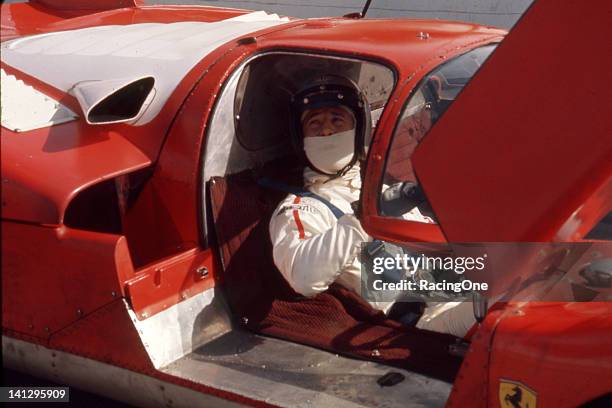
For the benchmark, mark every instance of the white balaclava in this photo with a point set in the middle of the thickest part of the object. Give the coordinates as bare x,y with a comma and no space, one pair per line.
330,153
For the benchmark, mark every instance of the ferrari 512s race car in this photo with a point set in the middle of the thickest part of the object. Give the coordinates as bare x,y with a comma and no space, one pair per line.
136,261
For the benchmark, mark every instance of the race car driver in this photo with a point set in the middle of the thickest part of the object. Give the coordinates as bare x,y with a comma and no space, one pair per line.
316,237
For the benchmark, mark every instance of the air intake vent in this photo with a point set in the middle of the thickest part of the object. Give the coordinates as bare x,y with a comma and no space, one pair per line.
114,101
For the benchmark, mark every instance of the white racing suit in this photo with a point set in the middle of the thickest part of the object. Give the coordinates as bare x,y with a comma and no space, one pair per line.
312,248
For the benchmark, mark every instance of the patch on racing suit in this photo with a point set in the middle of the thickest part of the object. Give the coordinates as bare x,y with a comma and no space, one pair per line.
297,207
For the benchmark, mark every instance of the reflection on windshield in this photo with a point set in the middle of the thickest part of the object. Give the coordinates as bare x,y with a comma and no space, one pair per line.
428,102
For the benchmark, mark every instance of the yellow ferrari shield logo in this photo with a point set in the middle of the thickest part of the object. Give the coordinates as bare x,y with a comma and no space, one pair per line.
513,394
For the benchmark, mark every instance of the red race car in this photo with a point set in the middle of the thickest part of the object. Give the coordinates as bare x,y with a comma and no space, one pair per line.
136,261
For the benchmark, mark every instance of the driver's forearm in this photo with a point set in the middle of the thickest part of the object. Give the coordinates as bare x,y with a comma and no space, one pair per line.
316,262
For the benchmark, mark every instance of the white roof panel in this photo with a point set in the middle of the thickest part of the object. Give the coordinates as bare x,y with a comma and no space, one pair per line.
24,108
164,51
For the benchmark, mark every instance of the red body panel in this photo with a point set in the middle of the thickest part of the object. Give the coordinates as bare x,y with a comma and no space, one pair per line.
42,170
398,43
90,5
471,386
168,282
561,350
107,335
25,19
52,277
541,146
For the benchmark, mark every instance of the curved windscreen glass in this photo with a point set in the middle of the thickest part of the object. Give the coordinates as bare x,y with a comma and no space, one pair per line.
400,195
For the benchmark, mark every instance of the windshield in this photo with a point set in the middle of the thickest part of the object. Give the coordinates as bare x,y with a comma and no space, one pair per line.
430,99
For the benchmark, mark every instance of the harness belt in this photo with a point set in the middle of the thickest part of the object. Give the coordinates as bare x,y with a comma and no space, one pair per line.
300,192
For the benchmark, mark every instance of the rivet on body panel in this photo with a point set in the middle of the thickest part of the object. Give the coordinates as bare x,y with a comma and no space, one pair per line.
202,272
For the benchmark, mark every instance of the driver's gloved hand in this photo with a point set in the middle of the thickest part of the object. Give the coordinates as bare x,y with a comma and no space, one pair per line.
399,198
398,191
402,197
407,313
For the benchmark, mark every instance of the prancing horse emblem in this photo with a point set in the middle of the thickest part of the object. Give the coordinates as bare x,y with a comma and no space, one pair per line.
513,394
